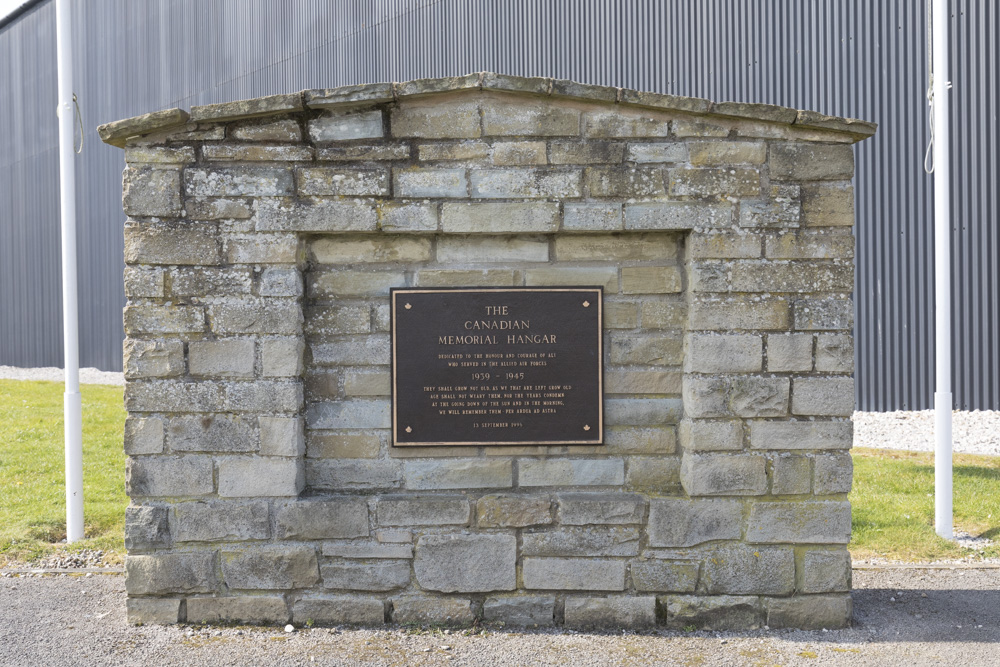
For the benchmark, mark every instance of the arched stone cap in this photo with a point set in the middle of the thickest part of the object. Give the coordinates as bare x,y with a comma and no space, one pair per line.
119,132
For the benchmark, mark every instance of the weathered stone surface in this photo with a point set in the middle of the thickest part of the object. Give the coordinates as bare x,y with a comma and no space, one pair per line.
721,153
345,126
172,243
582,541
711,436
524,183
169,476
509,153
271,316
513,511
118,132
250,181
753,275
523,611
833,474
810,612
357,549
342,182
229,281
434,611
649,350
423,510
421,182
465,150
521,117
466,563
279,130
380,576
663,314
343,445
574,574
315,214
723,474
257,153
153,358
665,576
407,217
489,249
621,612
834,313
716,612
321,519
448,474
143,436
454,121
262,248
499,217
277,567
835,353
810,162
592,216
606,277
142,282
789,352
642,382
678,215
736,396
580,509
654,474
825,397
742,569
256,610
825,571
258,476
360,249
221,358
281,357
780,210
152,191
153,611
587,152
606,124
801,435
164,574
160,396
828,204
347,474
338,610
651,280
739,313
809,245
726,353
820,522
724,245
714,182
571,472
146,527
628,181
676,522
349,414
218,522
642,411
791,475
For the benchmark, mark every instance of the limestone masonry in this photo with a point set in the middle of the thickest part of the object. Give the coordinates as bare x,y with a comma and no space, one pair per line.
262,239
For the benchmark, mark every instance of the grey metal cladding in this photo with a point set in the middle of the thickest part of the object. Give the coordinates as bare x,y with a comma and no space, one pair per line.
844,57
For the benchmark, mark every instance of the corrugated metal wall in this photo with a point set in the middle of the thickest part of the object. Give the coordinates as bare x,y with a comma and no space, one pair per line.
844,57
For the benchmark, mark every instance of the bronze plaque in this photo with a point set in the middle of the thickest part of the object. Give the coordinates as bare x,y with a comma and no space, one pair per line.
497,366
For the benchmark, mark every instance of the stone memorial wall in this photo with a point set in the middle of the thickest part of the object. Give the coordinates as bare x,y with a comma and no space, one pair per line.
268,480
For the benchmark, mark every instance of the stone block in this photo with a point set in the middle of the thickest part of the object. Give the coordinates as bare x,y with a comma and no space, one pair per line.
824,397
432,611
611,541
172,243
256,153
279,130
367,383
606,277
280,281
665,576
651,280
791,475
833,474
466,563
709,276
780,210
715,612
699,128
348,474
642,411
169,476
513,511
714,182
624,182
423,511
338,518
753,275
212,433
266,316
624,612
152,611
458,474
281,436
739,313
662,314
828,204
621,315
201,282
521,117
810,612
489,249
218,208
592,216
642,382
649,350
724,245
245,181
795,435
343,182
835,353
258,476
146,527
581,509
725,353
271,567
355,413
723,153
739,569
465,150
338,610
346,126
262,249
678,522
281,357
486,277
164,574
358,249
421,182
364,576
678,215
711,436
789,352
455,120
523,611
343,445
571,472
825,571
622,122
369,351
221,358
221,522
253,610
791,161
524,184
833,313
367,152
657,475
676,151
809,245
510,153
587,152
315,214
407,216
723,474
158,155
142,282
500,217
153,358
819,522
736,396
152,191
574,574
357,549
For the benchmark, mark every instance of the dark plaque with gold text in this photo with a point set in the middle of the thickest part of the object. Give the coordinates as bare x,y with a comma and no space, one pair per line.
497,366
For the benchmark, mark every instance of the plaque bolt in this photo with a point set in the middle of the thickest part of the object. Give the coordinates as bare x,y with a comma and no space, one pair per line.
407,306
586,304
410,430
586,427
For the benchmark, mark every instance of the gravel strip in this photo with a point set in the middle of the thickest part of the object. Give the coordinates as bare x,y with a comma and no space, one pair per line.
87,375
902,617
975,432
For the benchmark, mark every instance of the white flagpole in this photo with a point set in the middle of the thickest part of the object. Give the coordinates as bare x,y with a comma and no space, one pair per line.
942,275
72,410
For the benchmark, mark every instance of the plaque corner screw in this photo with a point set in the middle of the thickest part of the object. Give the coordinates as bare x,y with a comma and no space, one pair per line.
407,306
586,427
410,430
586,304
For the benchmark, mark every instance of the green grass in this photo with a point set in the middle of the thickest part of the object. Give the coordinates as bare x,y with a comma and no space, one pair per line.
893,504
32,477
892,497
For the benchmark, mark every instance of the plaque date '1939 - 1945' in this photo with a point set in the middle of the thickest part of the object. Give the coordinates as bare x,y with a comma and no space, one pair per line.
497,366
